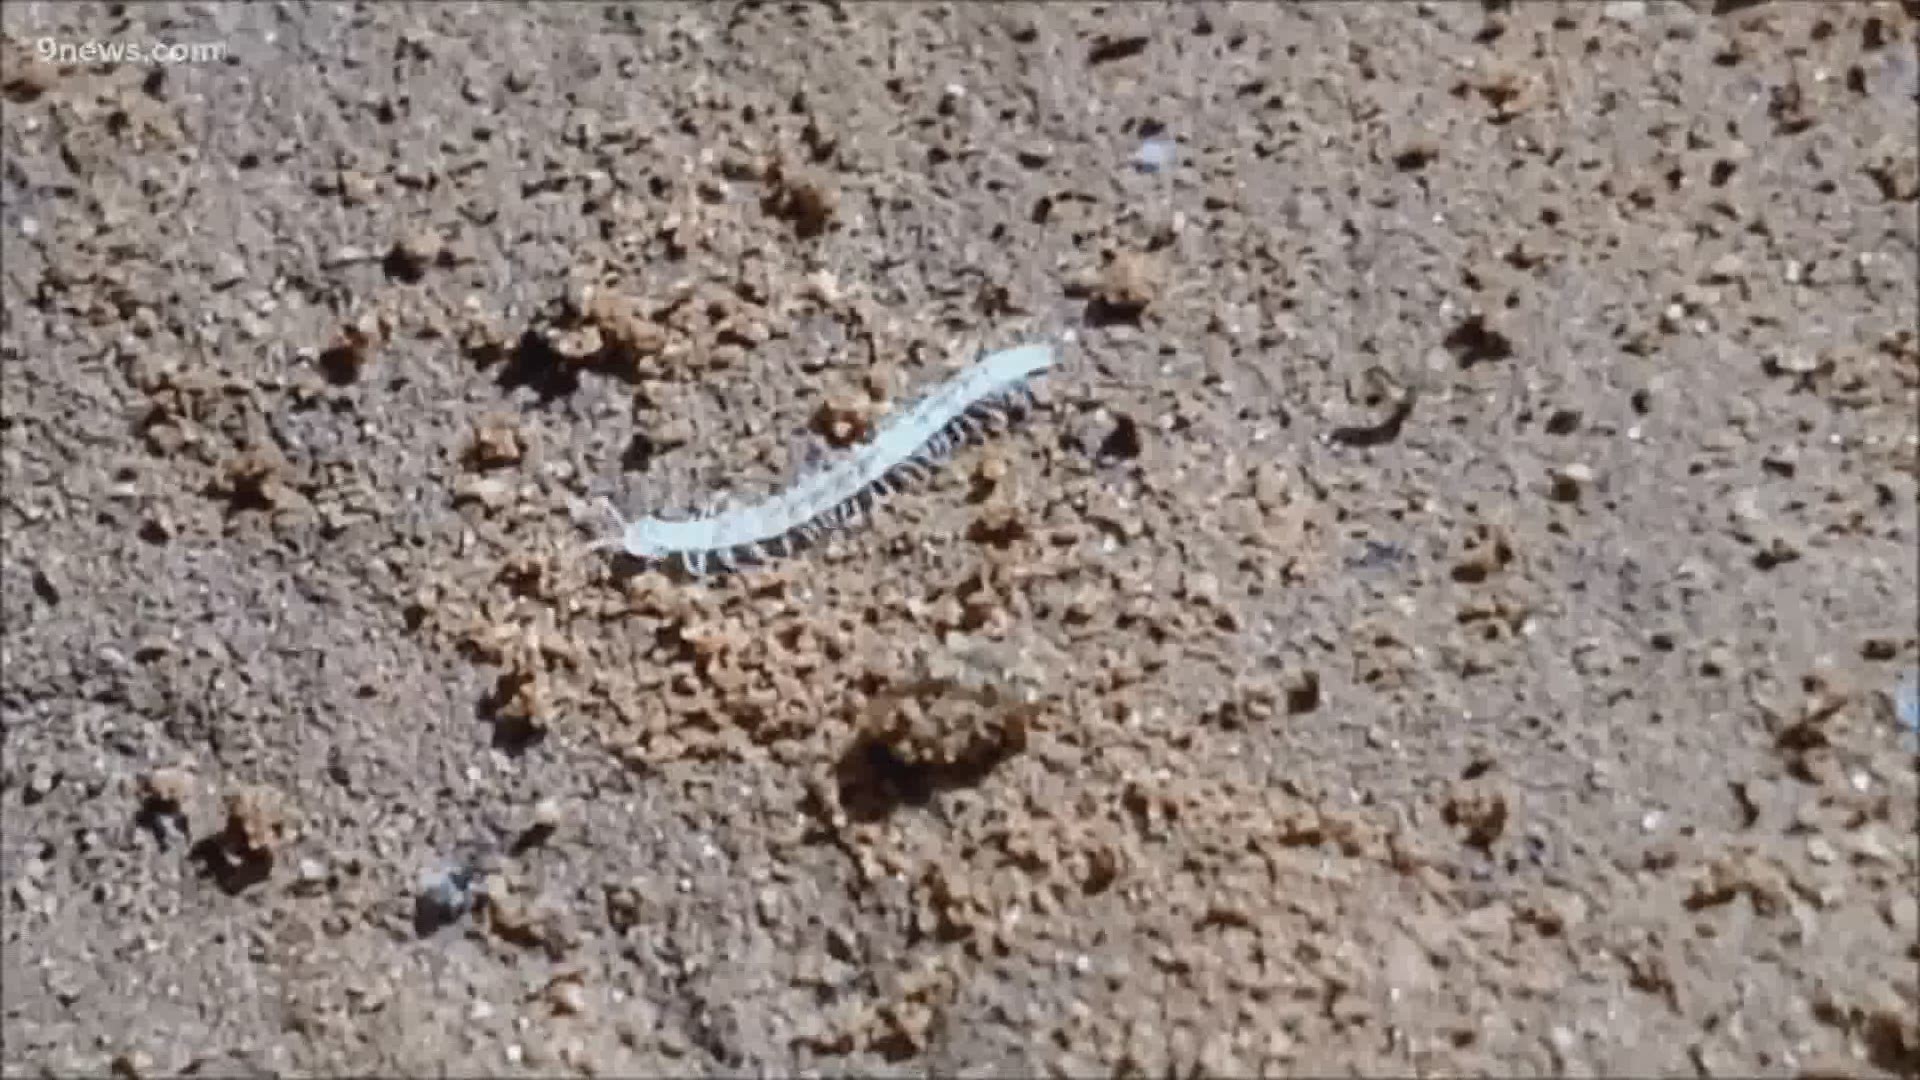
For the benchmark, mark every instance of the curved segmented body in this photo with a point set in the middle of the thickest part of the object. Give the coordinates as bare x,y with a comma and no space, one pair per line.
835,494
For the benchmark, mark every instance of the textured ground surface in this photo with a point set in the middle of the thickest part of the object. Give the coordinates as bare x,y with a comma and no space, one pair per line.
1448,612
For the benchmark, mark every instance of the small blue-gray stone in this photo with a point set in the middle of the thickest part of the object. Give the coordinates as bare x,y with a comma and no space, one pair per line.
1153,155
1906,702
443,897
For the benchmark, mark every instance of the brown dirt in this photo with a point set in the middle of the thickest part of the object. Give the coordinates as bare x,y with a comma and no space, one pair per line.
1444,616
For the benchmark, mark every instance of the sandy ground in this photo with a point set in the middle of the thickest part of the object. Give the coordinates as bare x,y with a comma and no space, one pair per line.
1447,611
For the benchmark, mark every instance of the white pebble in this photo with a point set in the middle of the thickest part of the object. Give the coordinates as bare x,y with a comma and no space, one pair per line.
1154,154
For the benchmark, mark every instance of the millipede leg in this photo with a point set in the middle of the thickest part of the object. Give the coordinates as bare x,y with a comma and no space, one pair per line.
619,523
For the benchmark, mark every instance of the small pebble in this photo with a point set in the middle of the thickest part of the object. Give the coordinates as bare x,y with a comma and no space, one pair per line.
168,788
1154,154
443,897
547,814
1376,554
1568,481
567,998
1906,702
413,254
256,820
1129,283
227,270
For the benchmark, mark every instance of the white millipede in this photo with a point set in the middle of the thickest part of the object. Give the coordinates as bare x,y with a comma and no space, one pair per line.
833,495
